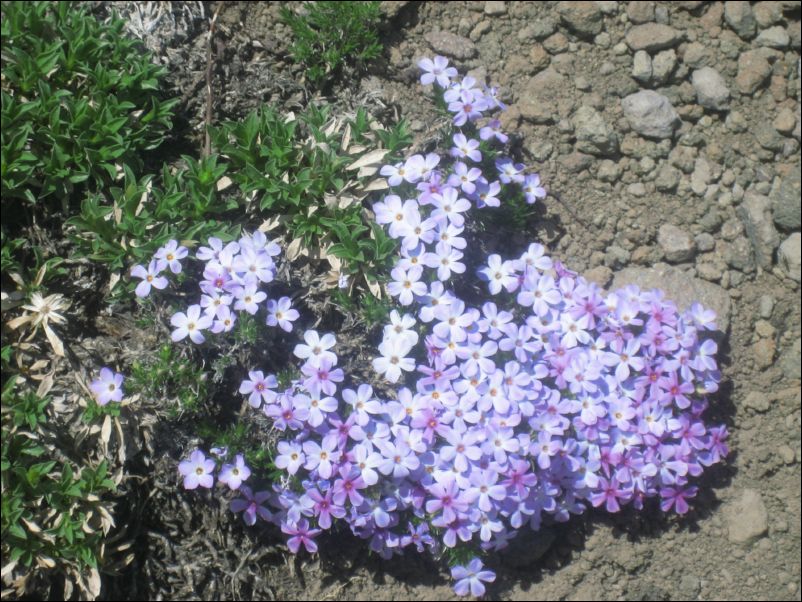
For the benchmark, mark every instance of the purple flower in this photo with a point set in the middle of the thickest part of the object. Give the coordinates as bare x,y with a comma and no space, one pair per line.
150,277
251,504
301,534
197,470
108,387
258,388
190,323
172,254
469,579
436,70
234,474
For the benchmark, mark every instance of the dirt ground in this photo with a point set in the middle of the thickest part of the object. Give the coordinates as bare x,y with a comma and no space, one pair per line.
709,212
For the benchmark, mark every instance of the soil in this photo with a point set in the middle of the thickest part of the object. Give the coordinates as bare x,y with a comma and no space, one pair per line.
722,180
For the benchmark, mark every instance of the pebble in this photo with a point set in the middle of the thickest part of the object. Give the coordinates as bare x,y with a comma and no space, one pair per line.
757,401
697,55
747,518
766,306
593,134
740,18
584,18
677,245
642,66
763,352
774,37
601,275
608,171
786,201
539,29
663,65
753,71
755,213
650,114
652,37
711,89
767,13
640,12
705,242
616,257
764,329
539,59
495,8
451,45
785,122
790,256
667,178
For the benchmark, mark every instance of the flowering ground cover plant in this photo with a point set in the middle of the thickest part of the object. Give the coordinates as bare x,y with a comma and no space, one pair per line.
548,397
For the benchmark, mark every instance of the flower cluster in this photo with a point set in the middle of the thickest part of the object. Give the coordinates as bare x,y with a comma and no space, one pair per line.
108,386
233,276
550,398
431,225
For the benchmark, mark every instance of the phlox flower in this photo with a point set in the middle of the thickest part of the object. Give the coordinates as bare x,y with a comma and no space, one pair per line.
234,474
190,323
150,277
464,177
319,374
108,387
401,327
248,298
532,189
499,274
509,171
172,254
392,359
436,70
316,348
465,149
224,321
486,193
301,534
197,471
280,313
470,578
250,504
493,130
286,413
258,388
446,260
290,456
406,284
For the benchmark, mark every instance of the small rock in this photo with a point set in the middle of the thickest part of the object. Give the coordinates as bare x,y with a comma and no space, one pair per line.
785,122
705,242
539,58
753,71
740,18
739,254
524,551
667,178
556,43
451,45
642,66
786,454
663,65
576,162
601,275
593,134
677,245
616,257
609,171
539,29
790,256
540,96
767,136
791,361
755,213
701,176
584,18
494,8
650,114
652,37
697,55
712,272
766,306
680,287
764,329
640,12
774,37
768,13
757,401
786,201
711,89
746,516
763,352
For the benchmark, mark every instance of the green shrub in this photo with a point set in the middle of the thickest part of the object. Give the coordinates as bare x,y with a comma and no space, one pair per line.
329,34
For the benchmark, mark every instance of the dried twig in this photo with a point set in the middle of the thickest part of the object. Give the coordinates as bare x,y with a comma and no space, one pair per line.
207,147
